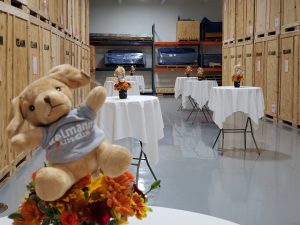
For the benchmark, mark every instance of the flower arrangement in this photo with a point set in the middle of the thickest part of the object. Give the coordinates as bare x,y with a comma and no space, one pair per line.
188,71
200,73
132,70
99,201
121,84
238,75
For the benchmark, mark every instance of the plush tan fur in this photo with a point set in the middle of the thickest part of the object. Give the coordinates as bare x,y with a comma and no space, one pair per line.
51,99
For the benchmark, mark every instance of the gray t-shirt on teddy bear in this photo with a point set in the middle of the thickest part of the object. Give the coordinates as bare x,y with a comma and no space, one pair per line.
72,136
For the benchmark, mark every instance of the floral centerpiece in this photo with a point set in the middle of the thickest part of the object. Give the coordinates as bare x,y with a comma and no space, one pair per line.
99,201
238,75
132,70
188,71
200,73
121,84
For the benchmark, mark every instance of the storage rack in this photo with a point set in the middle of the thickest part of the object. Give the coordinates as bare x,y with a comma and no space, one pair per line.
130,41
181,68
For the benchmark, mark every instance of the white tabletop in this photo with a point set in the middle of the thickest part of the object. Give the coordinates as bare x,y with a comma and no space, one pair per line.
227,100
137,117
198,90
178,89
165,216
109,86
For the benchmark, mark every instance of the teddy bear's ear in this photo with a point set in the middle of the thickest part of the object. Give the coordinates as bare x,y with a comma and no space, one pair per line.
16,118
69,75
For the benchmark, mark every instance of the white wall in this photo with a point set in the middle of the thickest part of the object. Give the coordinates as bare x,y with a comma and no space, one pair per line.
137,16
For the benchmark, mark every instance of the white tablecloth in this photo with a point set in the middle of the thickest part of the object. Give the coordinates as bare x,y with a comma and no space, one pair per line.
166,216
137,117
139,79
109,86
198,90
227,100
178,89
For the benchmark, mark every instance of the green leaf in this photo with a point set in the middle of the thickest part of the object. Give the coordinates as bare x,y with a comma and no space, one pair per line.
113,222
155,185
42,208
15,215
46,221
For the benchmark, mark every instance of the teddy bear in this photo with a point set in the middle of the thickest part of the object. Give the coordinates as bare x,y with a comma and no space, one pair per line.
74,145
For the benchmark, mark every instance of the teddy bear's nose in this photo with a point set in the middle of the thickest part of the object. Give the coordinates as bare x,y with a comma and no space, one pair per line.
47,99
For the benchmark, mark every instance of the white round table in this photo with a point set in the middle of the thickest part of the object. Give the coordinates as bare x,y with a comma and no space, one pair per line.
139,79
178,89
137,117
198,90
227,100
109,86
165,216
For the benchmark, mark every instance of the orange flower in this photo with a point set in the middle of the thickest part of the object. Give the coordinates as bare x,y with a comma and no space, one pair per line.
31,213
122,86
236,77
83,182
68,218
138,205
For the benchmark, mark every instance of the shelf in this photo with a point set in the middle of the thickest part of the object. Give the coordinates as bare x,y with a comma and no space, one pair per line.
113,69
169,44
179,69
121,43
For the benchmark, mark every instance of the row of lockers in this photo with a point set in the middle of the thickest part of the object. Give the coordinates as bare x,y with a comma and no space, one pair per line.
272,64
29,48
248,19
70,16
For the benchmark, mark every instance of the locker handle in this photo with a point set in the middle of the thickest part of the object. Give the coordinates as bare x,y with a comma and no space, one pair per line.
286,51
232,56
248,55
67,53
46,47
33,44
272,53
225,57
239,56
20,42
1,40
259,54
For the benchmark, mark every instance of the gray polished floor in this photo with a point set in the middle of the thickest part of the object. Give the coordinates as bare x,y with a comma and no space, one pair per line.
240,186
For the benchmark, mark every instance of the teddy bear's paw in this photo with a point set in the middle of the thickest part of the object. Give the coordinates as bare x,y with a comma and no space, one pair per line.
117,161
52,183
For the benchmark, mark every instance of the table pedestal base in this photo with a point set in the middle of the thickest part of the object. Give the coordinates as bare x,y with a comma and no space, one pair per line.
244,131
141,157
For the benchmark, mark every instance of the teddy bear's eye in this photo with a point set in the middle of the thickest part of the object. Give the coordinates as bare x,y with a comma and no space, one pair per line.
58,88
31,108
